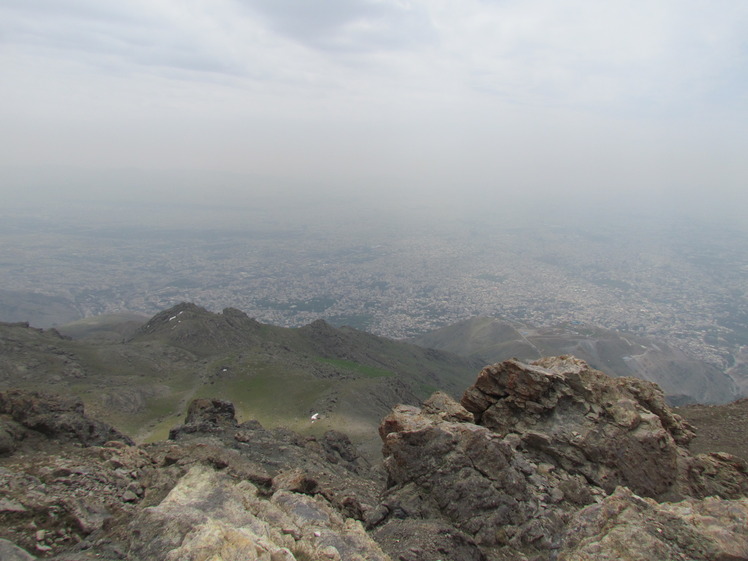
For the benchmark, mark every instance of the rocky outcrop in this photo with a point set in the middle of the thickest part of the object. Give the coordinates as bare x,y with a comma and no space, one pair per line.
55,417
612,431
210,515
221,490
206,416
445,469
538,463
532,446
328,465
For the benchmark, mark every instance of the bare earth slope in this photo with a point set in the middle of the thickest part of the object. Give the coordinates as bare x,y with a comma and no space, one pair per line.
684,379
719,428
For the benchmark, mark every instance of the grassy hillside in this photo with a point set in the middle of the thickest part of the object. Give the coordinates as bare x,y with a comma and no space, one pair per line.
279,376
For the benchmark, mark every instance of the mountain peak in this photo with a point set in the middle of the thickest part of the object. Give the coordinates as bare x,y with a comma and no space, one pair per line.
198,330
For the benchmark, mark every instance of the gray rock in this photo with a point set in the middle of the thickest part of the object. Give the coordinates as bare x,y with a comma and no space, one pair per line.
206,416
525,469
211,411
11,552
612,431
551,437
57,417
625,527
468,478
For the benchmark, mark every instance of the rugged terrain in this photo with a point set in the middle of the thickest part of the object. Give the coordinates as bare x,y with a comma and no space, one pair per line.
549,460
141,376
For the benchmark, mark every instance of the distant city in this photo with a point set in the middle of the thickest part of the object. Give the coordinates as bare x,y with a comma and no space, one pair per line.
683,285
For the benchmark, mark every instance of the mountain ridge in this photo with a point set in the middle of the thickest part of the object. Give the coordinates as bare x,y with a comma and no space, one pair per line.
278,375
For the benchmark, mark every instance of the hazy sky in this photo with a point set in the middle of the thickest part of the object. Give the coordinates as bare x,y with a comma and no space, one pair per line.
647,98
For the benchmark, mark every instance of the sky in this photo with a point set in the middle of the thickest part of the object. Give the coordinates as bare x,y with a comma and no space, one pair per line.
458,100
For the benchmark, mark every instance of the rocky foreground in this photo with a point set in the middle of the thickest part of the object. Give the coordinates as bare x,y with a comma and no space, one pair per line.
544,461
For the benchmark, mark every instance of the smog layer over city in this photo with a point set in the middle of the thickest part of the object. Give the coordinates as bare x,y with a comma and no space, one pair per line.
393,166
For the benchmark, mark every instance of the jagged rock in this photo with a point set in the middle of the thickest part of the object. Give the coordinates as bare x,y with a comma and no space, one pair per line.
206,416
211,411
625,527
552,437
472,479
612,431
521,471
341,475
340,449
446,409
715,474
57,417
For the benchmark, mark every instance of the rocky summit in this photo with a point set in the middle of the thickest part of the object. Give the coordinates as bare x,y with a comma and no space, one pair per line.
549,460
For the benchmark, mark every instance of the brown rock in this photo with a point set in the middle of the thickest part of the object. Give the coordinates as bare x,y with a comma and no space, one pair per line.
212,412
296,481
447,409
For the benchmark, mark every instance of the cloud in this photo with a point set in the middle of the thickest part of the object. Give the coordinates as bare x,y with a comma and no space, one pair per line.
418,95
663,57
348,25
601,55
113,35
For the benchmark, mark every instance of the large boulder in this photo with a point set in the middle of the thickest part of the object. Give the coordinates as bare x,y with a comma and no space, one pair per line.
530,446
443,468
612,431
210,515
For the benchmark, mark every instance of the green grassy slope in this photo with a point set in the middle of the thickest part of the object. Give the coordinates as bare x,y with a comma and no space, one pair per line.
279,376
